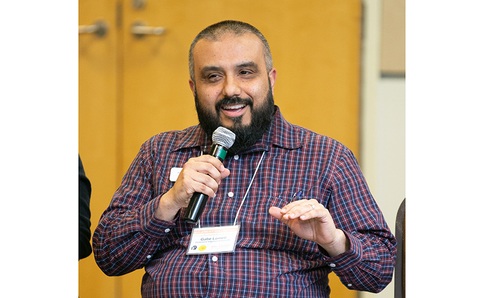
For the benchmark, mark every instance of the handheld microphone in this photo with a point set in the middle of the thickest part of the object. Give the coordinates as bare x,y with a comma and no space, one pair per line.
222,140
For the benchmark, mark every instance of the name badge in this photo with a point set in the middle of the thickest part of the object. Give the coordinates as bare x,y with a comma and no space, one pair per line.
213,240
174,173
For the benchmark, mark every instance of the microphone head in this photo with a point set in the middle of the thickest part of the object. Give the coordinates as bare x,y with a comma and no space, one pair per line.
224,137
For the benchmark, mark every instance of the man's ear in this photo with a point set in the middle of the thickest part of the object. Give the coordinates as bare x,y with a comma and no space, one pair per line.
192,86
272,78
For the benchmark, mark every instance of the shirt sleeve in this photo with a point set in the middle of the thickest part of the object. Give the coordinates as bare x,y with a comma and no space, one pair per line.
128,234
369,264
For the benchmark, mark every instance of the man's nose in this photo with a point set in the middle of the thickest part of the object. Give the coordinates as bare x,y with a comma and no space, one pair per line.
231,87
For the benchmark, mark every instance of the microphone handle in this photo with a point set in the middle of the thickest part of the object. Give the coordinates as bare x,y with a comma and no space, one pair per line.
195,207
199,200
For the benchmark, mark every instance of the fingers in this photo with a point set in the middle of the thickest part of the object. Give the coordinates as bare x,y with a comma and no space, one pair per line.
275,212
201,174
303,209
204,165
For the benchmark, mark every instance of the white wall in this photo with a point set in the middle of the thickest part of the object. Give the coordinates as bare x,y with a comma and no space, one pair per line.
382,129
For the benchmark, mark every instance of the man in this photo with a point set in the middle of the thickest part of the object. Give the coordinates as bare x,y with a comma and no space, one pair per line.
288,207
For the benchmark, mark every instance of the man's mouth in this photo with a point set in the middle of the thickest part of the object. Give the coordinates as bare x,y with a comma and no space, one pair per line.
233,107
233,110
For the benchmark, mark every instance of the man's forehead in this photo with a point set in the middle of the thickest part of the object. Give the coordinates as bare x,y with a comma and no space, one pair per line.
229,38
243,47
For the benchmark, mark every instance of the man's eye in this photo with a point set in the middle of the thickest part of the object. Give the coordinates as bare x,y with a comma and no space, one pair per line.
213,77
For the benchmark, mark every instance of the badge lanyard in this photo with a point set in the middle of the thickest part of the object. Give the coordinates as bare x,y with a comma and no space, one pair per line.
248,190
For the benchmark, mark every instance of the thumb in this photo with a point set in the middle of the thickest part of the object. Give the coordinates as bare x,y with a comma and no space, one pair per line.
275,212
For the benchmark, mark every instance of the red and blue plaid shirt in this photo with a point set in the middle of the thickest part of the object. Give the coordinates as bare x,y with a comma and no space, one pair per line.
269,260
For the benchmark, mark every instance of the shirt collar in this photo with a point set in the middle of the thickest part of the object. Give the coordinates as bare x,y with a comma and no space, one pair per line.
284,134
191,137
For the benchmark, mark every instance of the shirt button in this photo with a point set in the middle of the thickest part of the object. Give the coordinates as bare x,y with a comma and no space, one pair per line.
167,230
236,157
332,265
215,259
230,194
349,285
148,257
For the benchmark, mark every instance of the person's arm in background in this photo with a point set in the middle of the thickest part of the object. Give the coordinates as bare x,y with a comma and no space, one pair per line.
84,190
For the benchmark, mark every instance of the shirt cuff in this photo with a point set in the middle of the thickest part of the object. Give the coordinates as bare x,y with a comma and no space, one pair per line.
151,225
347,259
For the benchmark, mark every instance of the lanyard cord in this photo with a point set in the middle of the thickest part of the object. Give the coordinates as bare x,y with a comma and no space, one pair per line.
246,193
248,188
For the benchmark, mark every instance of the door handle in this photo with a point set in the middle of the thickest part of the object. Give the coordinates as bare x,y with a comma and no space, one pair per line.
99,29
139,30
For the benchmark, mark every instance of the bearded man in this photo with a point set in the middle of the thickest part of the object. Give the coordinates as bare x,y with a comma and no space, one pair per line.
287,206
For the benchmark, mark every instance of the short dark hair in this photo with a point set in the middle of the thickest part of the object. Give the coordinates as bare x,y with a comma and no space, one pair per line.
214,31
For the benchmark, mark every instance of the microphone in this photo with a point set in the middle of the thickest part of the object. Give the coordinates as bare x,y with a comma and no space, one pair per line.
222,140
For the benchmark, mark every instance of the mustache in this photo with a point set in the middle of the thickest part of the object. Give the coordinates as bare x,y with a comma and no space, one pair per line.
233,100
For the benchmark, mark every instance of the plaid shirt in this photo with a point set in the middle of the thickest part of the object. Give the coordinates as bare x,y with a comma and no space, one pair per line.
269,260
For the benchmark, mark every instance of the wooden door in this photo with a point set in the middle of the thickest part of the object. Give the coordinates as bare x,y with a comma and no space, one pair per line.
98,126
132,87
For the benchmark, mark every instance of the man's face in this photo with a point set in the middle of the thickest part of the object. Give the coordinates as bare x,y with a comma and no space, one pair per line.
231,85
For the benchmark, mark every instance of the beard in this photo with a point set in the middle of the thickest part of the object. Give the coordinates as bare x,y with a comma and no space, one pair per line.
246,135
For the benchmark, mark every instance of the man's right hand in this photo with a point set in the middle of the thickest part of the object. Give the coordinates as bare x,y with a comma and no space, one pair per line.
201,174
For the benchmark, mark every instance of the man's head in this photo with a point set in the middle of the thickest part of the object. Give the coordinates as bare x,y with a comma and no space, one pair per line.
215,31
232,79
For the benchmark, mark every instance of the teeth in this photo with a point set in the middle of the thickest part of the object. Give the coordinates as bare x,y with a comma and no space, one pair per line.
236,107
